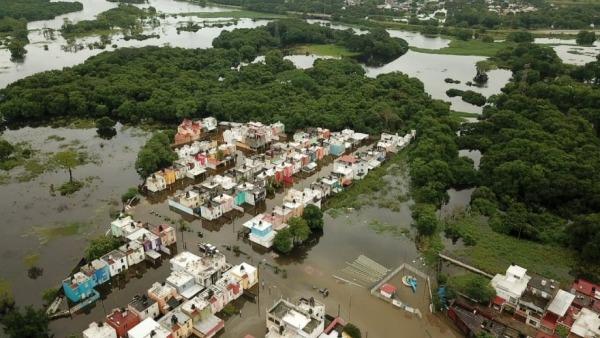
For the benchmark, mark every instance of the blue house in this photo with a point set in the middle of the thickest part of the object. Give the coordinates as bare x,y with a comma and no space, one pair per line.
79,287
261,231
97,270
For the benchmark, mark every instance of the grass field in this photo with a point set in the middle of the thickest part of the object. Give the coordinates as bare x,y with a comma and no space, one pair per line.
471,47
325,50
494,252
236,14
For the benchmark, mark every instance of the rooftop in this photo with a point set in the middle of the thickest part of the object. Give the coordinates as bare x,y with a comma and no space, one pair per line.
141,303
146,328
587,324
561,303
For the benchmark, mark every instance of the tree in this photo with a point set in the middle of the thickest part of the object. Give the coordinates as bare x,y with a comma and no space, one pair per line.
131,193
585,38
28,323
353,331
155,155
313,217
519,37
283,241
67,160
6,149
299,229
100,246
7,301
425,219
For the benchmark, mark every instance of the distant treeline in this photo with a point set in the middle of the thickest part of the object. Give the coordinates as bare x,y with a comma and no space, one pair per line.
124,16
32,10
375,47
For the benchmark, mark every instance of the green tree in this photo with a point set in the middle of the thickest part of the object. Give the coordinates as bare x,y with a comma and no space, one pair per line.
6,149
520,36
585,38
155,155
28,323
100,246
7,301
299,229
105,123
283,241
425,219
131,193
352,330
313,217
67,160
49,295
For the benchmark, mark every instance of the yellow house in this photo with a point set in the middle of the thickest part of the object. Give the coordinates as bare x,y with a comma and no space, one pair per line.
245,274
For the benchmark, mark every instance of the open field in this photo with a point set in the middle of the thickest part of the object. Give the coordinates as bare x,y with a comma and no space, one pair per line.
471,47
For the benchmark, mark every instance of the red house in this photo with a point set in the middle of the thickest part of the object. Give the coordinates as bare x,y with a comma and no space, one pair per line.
122,321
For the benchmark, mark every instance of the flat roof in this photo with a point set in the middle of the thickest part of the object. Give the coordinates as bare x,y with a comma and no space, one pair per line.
143,330
561,303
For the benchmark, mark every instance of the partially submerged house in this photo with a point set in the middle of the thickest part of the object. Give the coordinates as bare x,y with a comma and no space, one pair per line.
144,307
304,319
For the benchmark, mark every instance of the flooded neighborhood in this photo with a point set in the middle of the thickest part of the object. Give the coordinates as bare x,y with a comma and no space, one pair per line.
410,211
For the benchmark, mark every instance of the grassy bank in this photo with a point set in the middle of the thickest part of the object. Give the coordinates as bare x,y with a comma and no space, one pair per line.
470,47
325,50
235,14
494,252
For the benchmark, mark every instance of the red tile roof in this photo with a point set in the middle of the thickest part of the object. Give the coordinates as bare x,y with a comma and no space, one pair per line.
585,287
499,300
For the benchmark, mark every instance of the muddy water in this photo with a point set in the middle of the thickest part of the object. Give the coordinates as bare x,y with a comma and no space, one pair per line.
570,52
30,204
344,238
432,69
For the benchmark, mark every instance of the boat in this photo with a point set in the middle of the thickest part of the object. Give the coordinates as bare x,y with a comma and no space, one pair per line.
410,281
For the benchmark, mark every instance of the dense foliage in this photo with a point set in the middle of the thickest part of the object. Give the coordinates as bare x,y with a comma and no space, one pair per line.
474,13
100,246
33,10
29,322
541,153
376,47
156,154
585,38
313,217
124,17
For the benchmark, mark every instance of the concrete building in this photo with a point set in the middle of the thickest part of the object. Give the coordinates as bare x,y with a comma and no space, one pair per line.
122,321
184,283
99,330
587,324
144,307
149,328
134,253
178,323
165,295
245,274
117,262
303,320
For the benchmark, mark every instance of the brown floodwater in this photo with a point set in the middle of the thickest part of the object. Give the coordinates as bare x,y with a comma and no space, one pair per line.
346,236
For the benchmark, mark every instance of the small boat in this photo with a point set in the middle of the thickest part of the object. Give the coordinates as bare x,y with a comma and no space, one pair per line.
410,281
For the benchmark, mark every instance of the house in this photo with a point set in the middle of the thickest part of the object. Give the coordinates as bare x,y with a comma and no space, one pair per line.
123,226
587,324
166,233
188,131
134,252
387,290
245,274
79,287
510,286
587,294
225,202
473,323
144,307
557,310
184,283
117,262
188,201
149,328
231,287
165,295
122,321
261,231
156,182
178,323
211,210
146,238
99,330
208,327
304,319
97,270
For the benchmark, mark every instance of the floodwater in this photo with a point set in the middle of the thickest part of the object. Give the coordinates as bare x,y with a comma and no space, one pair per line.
432,69
569,52
345,237
419,40
26,206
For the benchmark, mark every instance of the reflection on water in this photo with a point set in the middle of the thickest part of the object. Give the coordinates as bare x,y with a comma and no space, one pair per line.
569,52
419,40
432,69
56,58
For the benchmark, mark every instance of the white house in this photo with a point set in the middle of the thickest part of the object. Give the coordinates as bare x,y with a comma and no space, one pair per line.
587,324
99,330
148,328
245,274
303,320
144,307
117,262
184,283
134,252
511,286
